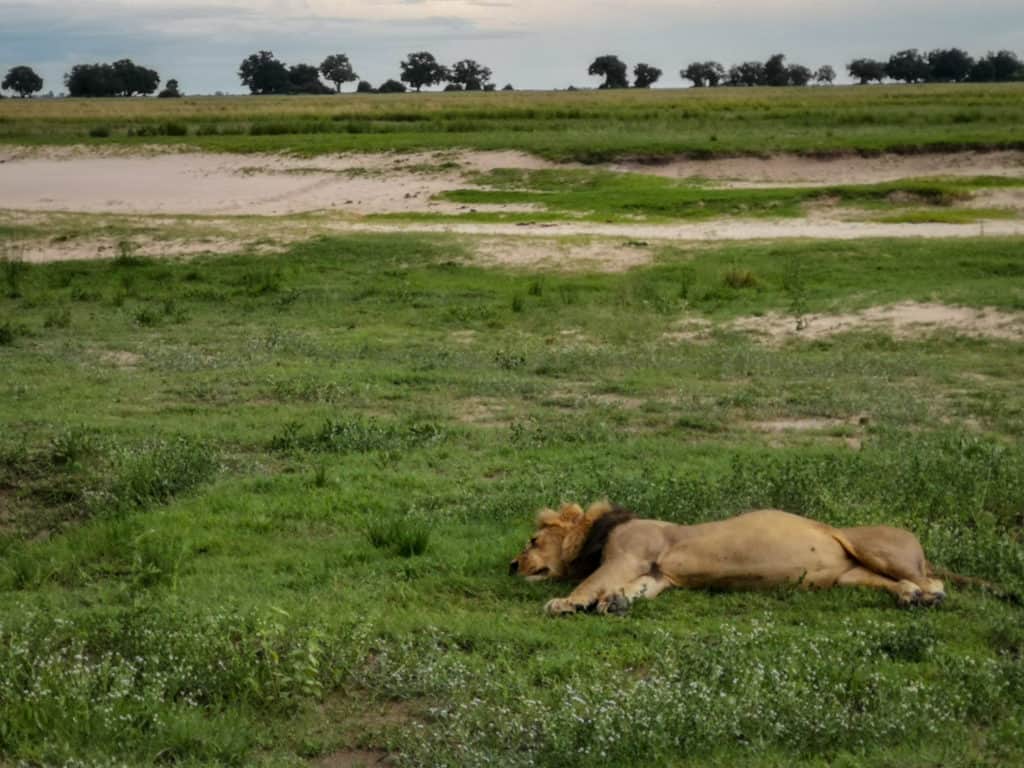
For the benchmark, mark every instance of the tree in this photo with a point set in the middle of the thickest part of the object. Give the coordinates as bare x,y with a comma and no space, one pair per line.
775,71
644,75
612,69
23,81
365,86
420,69
263,74
825,74
508,87
133,79
799,74
714,73
391,86
337,69
470,75
950,65
305,78
749,73
908,66
866,70
170,91
997,68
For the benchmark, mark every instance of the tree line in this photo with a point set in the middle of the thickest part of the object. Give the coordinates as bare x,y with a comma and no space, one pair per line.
262,73
942,65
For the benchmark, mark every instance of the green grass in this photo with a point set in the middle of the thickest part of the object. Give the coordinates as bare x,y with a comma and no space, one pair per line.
275,522
607,196
588,126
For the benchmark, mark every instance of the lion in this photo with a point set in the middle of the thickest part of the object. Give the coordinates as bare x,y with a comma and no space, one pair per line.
621,558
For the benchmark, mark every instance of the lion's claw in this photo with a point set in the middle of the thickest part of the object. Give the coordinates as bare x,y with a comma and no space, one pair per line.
616,605
559,606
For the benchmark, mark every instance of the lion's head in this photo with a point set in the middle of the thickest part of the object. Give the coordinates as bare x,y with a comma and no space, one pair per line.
567,543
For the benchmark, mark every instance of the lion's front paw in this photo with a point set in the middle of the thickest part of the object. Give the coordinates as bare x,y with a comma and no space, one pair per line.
616,604
560,606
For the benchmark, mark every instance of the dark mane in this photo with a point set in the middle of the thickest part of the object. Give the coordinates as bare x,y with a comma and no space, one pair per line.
592,551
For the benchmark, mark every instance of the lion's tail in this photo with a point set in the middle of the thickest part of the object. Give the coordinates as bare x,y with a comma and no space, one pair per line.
1013,598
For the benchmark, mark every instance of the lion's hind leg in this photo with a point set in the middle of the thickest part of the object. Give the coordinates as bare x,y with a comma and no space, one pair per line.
896,554
906,592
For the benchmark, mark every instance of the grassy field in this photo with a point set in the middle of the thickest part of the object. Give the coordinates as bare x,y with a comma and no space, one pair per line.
588,126
259,509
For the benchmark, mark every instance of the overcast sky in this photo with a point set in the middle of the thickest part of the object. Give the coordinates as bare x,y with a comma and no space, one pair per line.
532,44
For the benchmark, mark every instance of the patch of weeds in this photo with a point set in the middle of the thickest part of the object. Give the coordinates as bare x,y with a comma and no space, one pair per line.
794,284
126,255
58,318
99,132
518,303
69,446
12,270
7,334
320,478
146,317
739,279
156,472
405,537
508,360
260,282
536,287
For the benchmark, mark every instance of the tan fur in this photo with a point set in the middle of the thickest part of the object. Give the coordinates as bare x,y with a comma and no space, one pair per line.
755,550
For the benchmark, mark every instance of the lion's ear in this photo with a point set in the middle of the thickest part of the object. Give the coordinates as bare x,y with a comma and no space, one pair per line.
547,517
570,514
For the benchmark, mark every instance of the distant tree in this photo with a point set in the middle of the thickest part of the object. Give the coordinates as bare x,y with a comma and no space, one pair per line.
365,86
825,74
420,69
133,79
950,65
170,91
452,87
704,73
644,75
775,71
997,68
263,74
799,74
470,75
749,73
391,86
508,87
908,66
490,87
866,70
612,69
337,69
23,81
305,78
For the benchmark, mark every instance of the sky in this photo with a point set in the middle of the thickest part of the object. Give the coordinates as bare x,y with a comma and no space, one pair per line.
533,44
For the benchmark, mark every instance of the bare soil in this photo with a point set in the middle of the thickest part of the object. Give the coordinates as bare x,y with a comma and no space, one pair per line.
905,320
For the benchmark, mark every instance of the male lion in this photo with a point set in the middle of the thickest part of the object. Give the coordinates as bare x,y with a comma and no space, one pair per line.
620,558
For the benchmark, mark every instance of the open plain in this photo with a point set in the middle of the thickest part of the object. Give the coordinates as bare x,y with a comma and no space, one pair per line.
283,380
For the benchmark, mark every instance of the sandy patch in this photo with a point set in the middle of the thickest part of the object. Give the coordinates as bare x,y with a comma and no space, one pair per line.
121,358
730,229
556,255
1012,199
796,425
904,320
89,249
353,758
198,183
777,170
690,329
483,411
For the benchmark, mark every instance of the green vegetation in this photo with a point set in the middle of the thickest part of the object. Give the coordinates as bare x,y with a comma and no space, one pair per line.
255,510
608,196
584,126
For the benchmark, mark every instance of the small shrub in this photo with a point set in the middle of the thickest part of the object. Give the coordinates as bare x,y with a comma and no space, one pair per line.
536,287
99,132
12,270
7,334
405,537
508,360
518,304
58,318
174,129
740,278
156,472
146,317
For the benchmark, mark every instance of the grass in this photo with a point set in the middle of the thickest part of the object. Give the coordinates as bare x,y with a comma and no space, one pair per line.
608,196
274,525
587,126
